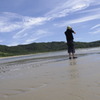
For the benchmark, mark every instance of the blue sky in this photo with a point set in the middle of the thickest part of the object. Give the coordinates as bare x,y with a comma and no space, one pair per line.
28,21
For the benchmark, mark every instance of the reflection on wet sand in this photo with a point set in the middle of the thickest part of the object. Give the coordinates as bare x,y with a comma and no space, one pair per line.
75,80
73,69
73,62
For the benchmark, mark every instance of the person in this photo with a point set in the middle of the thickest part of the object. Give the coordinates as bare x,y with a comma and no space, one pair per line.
69,37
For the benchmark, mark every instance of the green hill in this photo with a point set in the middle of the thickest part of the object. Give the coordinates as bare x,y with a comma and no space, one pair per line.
42,47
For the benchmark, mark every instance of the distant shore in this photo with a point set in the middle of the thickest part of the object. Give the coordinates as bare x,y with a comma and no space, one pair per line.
78,51
42,47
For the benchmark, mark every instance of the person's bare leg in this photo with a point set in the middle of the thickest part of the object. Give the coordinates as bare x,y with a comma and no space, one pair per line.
73,55
69,55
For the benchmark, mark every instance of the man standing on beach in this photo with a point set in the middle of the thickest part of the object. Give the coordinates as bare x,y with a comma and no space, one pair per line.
69,37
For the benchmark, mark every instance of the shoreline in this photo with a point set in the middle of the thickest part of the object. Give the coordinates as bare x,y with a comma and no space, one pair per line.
51,52
77,50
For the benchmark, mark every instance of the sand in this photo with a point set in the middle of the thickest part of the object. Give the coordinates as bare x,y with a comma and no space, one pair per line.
51,79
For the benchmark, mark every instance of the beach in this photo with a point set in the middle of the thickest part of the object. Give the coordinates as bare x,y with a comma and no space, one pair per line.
51,76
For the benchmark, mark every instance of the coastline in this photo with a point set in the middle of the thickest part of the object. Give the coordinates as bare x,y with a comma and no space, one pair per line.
79,52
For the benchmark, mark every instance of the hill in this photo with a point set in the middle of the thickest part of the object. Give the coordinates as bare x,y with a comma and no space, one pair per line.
42,47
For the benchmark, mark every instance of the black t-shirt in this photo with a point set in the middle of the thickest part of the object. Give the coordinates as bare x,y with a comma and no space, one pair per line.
69,35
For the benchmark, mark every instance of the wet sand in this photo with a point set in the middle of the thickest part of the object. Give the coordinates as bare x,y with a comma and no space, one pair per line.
51,79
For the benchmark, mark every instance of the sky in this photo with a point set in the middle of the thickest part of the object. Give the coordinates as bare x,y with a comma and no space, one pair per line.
27,21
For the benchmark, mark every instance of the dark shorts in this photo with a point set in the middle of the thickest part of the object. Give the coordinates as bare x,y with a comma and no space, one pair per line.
70,45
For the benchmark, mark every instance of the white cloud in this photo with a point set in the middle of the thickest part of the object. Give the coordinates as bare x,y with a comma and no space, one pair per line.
11,21
41,32
14,43
7,23
71,6
93,10
29,21
36,35
68,7
95,29
20,34
9,27
96,26
79,20
31,40
84,19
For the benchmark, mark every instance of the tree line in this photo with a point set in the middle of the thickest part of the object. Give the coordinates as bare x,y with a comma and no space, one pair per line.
42,47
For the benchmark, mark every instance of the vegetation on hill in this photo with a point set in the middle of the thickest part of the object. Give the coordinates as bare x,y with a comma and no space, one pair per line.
42,47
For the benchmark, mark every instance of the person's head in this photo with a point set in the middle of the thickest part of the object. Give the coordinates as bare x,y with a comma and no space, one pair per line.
68,27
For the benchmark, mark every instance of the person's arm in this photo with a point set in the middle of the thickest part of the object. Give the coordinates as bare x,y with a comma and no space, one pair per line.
73,32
